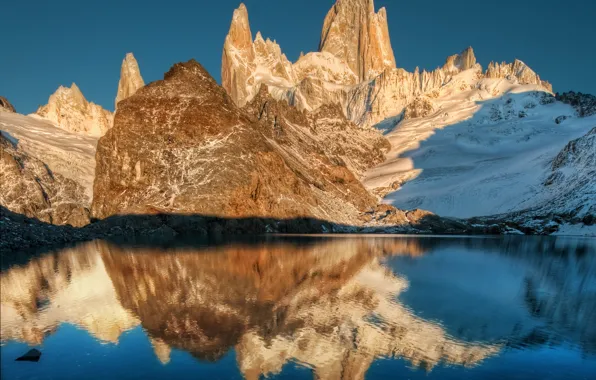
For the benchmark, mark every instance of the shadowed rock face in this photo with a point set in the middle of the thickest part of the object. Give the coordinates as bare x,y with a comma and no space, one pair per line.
585,104
181,145
5,105
29,187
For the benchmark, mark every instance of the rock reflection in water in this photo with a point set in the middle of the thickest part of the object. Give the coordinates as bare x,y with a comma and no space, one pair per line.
329,304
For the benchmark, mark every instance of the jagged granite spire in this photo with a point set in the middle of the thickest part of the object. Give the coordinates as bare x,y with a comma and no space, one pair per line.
130,78
238,54
353,32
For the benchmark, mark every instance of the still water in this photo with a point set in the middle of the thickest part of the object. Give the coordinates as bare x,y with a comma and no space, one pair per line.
305,307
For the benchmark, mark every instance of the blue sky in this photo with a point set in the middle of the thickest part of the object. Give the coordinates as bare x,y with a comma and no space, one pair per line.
50,43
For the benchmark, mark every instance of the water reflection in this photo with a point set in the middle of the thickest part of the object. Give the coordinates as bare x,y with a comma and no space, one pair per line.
334,305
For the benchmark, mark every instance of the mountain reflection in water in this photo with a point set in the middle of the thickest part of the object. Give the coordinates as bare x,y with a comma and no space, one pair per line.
331,304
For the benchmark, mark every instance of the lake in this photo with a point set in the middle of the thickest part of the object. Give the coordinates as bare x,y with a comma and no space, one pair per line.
299,307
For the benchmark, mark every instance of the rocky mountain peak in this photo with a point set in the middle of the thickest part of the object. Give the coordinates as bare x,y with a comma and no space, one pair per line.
460,62
517,70
240,35
130,78
69,110
353,32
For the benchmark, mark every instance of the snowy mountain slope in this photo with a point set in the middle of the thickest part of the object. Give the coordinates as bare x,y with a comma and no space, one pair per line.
486,149
69,154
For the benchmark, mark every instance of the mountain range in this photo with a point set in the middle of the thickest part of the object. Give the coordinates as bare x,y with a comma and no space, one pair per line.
342,135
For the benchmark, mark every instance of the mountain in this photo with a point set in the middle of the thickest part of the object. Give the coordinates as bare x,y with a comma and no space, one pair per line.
68,109
130,79
201,154
354,67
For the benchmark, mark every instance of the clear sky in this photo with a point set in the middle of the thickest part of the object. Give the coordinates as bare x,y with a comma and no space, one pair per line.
45,44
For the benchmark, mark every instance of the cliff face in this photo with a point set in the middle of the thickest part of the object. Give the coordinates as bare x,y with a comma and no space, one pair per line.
353,32
201,154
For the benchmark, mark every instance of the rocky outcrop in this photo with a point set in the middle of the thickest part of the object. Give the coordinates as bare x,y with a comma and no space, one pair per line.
130,79
200,154
30,188
353,32
572,181
460,62
422,106
68,109
517,70
584,104
5,105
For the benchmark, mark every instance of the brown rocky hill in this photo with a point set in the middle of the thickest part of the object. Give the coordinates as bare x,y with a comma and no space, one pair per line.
181,145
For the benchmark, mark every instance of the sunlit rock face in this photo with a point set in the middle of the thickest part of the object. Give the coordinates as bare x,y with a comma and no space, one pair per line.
130,79
354,33
30,188
572,180
68,109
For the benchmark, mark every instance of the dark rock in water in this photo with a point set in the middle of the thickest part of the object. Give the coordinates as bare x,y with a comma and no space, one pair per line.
32,355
